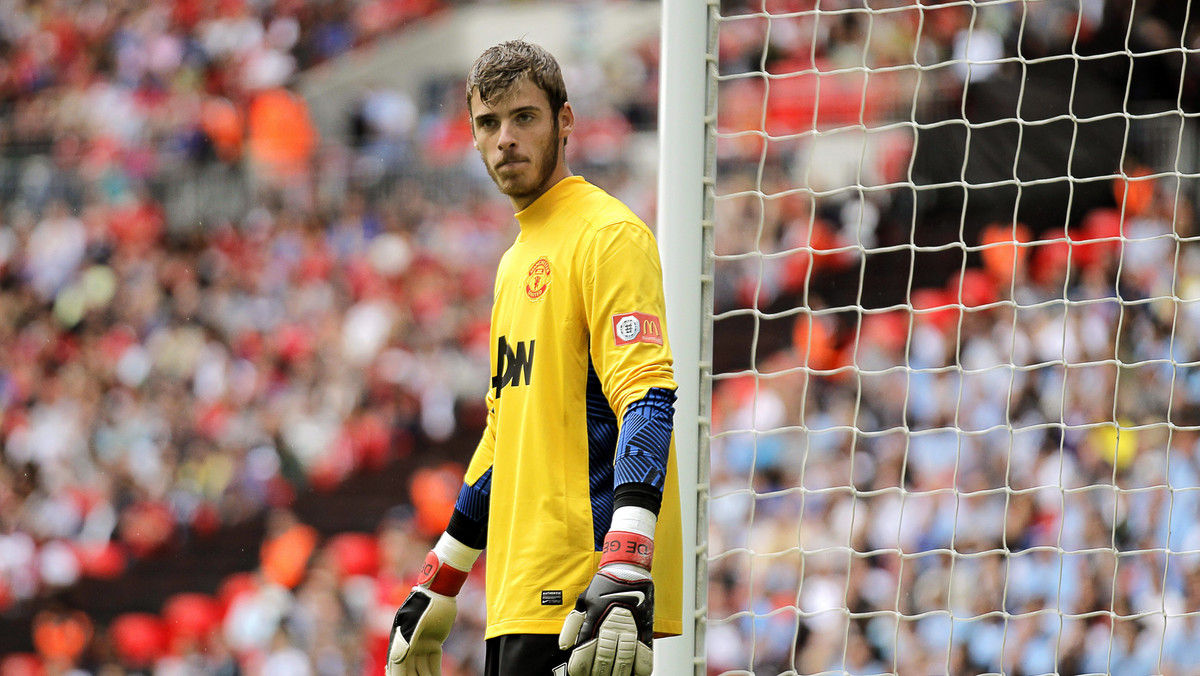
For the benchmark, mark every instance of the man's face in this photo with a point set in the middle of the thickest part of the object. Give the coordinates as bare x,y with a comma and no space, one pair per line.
521,142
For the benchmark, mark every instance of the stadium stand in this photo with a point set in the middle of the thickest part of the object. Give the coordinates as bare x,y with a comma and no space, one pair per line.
240,332
1040,578
222,310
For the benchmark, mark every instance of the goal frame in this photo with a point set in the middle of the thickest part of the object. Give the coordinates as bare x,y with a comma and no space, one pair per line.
685,197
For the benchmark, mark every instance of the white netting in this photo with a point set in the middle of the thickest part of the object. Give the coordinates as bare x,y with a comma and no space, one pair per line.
955,385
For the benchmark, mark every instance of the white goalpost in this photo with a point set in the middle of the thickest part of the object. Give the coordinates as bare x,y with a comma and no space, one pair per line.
933,288
684,235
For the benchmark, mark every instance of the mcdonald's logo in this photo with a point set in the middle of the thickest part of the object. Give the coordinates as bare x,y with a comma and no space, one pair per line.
637,327
651,330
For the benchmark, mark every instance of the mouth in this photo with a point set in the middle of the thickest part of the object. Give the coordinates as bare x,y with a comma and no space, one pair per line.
509,163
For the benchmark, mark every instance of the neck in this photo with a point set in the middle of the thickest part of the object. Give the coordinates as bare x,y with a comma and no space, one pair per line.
520,203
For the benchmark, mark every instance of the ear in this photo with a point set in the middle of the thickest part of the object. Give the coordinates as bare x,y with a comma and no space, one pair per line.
566,121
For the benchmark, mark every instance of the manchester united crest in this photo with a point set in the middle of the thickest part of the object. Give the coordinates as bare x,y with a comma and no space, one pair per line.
537,279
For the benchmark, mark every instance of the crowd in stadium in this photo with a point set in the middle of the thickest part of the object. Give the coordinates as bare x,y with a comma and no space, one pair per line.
151,365
994,487
162,377
975,461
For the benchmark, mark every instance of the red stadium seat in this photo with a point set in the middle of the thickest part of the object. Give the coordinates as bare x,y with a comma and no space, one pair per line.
1098,236
139,639
234,586
976,287
1051,256
21,664
105,561
937,306
355,554
192,615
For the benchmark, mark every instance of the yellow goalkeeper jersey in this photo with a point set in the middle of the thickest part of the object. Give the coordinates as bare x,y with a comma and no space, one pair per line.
578,334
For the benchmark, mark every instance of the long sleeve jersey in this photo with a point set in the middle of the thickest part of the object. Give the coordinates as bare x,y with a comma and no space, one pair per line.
579,406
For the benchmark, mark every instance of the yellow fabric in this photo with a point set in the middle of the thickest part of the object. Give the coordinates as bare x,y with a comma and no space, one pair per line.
581,258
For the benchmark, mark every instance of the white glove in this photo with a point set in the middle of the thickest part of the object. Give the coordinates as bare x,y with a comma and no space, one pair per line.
424,619
421,626
611,630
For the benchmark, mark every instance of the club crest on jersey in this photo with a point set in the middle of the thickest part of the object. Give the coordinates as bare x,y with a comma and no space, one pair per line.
537,279
637,327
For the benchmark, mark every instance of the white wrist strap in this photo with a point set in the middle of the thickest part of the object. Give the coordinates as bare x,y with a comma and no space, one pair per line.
454,553
634,520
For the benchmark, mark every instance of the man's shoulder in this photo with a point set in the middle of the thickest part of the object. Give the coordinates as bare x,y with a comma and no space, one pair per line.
600,210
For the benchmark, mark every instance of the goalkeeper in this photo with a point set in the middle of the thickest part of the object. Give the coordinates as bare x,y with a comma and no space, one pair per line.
572,488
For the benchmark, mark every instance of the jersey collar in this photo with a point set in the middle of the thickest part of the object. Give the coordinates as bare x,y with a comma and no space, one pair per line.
543,207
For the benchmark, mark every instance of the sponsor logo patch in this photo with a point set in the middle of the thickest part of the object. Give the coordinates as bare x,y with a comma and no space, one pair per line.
537,279
637,327
514,364
552,597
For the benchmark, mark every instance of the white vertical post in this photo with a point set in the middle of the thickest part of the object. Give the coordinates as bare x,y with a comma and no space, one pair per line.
681,194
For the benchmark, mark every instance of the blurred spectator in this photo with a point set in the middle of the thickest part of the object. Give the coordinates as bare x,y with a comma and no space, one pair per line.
54,250
281,141
60,636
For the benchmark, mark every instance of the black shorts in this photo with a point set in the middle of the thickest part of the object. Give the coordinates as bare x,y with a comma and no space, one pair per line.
522,655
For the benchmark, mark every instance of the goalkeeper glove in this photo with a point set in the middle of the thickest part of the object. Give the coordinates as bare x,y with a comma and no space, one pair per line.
611,629
424,619
422,623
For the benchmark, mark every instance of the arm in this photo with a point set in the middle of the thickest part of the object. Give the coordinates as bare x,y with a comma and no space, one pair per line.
642,449
468,523
611,628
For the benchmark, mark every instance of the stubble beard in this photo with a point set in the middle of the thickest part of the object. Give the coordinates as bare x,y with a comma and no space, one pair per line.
520,190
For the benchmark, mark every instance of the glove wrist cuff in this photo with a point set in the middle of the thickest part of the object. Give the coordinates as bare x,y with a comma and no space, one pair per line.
627,547
440,578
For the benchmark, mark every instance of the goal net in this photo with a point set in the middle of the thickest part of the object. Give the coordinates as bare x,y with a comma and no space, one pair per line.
955,395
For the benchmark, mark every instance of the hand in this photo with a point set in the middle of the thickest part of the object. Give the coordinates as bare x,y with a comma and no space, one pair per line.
421,626
611,629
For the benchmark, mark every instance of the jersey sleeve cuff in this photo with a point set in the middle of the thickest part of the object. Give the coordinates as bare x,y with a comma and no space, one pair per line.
470,532
637,494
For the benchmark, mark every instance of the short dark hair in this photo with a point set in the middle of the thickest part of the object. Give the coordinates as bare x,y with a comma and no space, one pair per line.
501,67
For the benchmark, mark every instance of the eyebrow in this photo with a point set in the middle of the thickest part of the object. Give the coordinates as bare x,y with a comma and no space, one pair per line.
481,117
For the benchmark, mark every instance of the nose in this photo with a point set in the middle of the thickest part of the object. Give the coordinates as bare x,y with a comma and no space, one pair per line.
505,139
